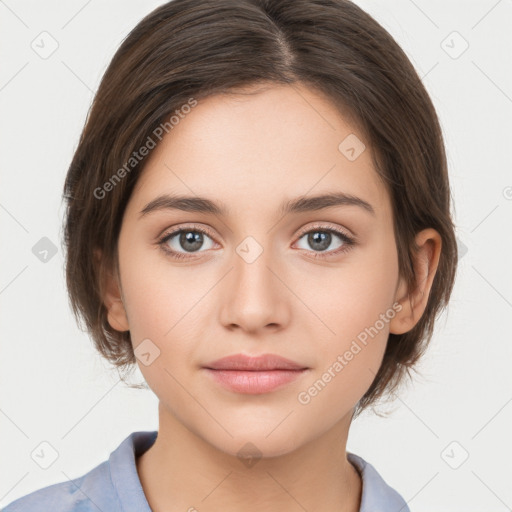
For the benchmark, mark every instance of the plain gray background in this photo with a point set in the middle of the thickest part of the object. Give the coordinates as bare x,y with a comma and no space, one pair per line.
448,444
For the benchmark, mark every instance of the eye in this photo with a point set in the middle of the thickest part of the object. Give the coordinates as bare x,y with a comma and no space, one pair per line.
319,239
189,240
184,242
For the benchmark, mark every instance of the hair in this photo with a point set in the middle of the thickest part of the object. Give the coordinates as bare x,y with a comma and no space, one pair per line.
194,49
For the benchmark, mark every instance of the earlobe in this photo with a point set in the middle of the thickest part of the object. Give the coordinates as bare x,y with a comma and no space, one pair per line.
400,323
117,317
413,304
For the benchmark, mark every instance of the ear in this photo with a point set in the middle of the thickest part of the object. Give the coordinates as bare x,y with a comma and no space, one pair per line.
414,303
117,317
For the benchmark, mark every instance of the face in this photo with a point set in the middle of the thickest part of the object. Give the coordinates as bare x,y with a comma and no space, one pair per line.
316,284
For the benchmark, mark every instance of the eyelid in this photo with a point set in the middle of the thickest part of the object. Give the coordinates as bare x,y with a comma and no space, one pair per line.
326,227
187,226
202,228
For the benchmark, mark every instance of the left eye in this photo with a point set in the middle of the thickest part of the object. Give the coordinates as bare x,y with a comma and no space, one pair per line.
321,239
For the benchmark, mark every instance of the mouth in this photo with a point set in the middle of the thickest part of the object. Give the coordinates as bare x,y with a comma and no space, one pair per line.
254,375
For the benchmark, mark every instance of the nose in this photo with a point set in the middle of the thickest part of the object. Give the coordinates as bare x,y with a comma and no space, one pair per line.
253,297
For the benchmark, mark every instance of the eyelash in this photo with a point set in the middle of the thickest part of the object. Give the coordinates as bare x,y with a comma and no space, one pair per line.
348,242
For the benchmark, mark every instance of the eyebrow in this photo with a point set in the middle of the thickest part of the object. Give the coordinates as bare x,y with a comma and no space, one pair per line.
299,205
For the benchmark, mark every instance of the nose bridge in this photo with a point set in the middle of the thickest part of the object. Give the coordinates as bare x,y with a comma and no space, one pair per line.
251,266
253,296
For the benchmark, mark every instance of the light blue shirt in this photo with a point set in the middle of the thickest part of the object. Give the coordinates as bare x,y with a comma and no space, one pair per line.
114,486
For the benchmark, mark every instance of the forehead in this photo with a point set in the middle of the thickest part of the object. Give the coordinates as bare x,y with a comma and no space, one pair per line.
260,148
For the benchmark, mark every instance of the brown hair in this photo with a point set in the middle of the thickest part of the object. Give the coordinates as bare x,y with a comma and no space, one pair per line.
192,49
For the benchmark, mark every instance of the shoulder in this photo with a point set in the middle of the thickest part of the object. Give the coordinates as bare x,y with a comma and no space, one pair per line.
82,494
112,485
376,493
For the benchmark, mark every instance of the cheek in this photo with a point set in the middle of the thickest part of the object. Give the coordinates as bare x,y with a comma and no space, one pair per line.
167,305
163,309
348,359
161,297
355,306
352,296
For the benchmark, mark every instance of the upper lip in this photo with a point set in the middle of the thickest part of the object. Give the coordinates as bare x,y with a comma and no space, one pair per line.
262,362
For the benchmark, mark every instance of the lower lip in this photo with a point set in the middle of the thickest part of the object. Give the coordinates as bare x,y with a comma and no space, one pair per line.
254,382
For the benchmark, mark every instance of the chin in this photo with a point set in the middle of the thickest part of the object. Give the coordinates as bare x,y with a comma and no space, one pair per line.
253,442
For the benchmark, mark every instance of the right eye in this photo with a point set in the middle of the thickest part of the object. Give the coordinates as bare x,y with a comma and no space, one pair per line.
188,239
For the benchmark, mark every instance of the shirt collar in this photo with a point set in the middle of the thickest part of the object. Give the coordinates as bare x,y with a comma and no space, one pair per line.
123,471
376,493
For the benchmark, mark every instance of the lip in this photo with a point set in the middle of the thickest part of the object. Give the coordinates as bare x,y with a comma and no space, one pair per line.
263,362
254,374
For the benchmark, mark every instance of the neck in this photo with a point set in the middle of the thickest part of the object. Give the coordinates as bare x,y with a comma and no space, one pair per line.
182,471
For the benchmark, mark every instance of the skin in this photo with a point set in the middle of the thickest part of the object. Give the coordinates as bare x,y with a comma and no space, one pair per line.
251,153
